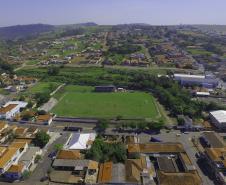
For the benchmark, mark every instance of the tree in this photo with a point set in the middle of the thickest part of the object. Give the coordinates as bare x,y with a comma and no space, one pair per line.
41,139
102,125
180,121
38,158
142,125
102,151
53,71
26,174
42,97
58,147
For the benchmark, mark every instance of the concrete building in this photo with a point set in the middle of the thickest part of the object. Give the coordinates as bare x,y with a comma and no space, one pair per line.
218,118
207,81
11,109
109,88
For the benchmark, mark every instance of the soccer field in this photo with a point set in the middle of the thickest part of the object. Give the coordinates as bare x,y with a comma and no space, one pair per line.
86,103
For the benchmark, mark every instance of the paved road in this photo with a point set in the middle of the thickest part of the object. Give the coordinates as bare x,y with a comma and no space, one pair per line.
43,167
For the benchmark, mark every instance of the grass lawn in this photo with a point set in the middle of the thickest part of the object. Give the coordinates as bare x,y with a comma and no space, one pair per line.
3,91
44,87
199,52
77,101
31,62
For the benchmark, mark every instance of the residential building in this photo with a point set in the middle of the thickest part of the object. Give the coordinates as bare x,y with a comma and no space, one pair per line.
74,171
105,172
44,119
15,172
11,109
8,157
68,154
3,126
138,171
28,158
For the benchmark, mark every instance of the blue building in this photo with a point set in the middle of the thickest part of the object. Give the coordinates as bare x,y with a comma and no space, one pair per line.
207,81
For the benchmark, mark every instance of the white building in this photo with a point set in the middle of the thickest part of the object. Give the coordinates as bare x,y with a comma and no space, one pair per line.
218,118
207,81
80,141
11,109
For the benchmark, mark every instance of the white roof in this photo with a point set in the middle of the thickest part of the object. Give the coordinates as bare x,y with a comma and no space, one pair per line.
21,104
219,115
78,141
203,93
189,76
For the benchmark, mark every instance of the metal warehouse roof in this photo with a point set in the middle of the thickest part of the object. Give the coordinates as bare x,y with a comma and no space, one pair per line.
189,76
219,115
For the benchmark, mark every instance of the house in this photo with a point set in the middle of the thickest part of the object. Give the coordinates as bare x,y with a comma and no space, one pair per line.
4,131
137,171
20,131
28,158
44,119
22,146
68,154
80,141
218,118
15,172
74,171
11,109
8,157
109,88
24,80
105,172
3,126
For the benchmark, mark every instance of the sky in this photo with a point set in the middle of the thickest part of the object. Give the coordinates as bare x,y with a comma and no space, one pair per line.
154,12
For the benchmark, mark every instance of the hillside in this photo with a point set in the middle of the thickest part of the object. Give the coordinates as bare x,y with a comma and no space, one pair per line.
22,31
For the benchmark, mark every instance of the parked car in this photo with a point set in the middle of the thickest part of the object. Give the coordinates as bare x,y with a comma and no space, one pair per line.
74,129
52,155
45,178
154,139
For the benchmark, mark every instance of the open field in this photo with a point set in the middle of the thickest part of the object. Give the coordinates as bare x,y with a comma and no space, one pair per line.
44,87
77,101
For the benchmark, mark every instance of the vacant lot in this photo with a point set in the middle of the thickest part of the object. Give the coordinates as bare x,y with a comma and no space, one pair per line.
78,101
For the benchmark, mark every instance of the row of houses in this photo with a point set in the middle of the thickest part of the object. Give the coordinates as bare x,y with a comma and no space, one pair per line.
17,155
12,111
7,80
